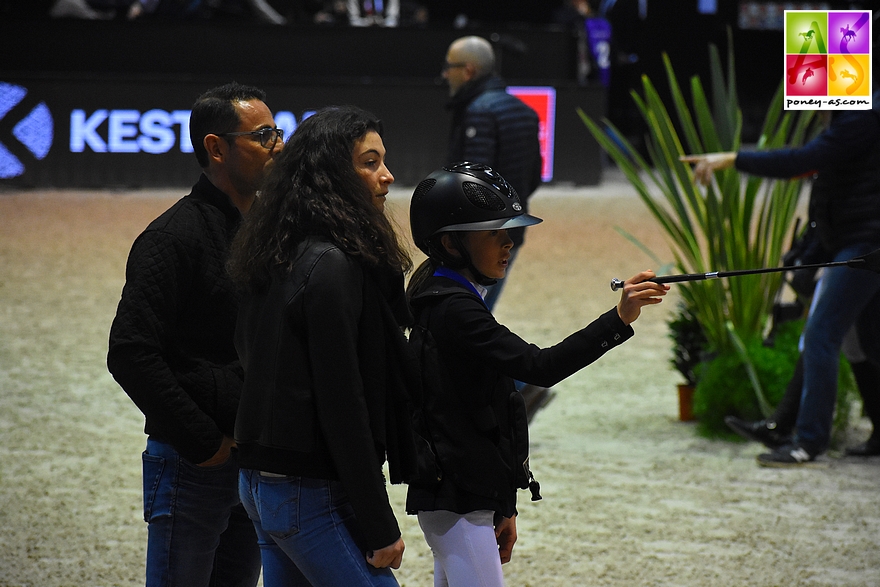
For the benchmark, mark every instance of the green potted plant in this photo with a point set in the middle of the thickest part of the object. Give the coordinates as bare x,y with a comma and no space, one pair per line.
739,222
688,351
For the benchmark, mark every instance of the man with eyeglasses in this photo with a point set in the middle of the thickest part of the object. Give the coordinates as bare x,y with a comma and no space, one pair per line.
497,129
171,350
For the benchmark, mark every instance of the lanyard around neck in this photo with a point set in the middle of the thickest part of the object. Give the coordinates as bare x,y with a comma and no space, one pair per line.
457,277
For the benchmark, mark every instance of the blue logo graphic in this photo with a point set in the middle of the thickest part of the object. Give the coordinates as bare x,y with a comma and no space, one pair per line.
35,130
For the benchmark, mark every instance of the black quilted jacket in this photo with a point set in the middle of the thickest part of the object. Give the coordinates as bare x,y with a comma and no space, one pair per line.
171,343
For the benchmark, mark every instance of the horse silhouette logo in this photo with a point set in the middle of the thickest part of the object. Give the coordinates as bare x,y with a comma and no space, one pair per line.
808,35
807,75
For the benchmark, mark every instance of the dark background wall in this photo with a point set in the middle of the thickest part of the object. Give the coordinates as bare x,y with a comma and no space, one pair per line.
90,65
165,64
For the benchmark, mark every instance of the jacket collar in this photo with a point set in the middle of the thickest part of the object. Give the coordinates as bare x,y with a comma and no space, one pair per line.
442,286
469,91
207,192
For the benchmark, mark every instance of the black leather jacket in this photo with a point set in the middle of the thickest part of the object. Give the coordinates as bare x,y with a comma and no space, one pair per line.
325,393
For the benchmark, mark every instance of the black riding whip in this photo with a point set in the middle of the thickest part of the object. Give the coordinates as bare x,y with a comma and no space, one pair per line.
869,262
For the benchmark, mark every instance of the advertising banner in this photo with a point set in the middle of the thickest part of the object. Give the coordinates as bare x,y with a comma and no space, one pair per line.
543,101
103,133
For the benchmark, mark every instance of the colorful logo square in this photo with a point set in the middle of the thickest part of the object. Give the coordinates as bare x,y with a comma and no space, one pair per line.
827,59
807,75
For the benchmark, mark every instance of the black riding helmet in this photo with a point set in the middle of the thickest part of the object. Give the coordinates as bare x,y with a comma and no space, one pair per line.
463,197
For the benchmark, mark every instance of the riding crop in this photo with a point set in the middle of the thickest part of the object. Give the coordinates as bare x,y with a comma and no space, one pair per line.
869,262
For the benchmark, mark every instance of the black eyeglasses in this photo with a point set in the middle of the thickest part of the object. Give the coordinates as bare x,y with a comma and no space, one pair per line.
447,66
268,136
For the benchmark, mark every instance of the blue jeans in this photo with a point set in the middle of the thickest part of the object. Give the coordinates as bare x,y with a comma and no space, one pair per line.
198,534
307,533
841,295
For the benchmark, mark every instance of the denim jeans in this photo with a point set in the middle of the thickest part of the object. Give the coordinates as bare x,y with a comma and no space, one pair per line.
307,533
198,534
841,295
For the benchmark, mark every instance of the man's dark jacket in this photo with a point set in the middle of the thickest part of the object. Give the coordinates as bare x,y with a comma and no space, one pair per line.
171,342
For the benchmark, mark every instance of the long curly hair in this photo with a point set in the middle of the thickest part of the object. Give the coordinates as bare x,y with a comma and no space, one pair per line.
312,189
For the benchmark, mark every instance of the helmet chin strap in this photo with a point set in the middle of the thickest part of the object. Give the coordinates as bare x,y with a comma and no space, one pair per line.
481,279
465,262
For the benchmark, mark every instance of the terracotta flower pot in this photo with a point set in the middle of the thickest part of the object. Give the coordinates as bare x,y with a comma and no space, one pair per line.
685,402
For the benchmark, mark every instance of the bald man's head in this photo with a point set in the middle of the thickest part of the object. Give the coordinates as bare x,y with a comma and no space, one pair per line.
468,58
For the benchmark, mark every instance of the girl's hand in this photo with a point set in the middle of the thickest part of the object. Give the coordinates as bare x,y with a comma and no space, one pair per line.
639,291
505,535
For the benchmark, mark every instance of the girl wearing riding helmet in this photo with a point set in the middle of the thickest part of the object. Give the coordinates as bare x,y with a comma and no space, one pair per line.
472,423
